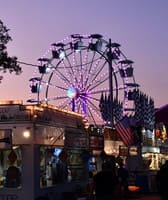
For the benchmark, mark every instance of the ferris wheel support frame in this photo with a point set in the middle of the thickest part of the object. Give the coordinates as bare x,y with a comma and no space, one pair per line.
111,54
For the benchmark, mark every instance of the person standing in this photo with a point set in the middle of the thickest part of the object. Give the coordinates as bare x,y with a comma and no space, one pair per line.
105,182
13,177
123,179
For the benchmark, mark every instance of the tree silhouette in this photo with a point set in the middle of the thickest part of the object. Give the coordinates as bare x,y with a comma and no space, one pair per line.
7,63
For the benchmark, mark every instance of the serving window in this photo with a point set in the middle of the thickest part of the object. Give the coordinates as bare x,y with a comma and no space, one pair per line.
53,166
10,167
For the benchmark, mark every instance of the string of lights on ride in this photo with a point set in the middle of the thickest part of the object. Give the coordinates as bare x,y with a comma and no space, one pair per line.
88,76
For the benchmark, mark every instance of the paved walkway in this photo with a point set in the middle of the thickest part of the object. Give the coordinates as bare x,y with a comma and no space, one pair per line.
150,197
137,197
145,197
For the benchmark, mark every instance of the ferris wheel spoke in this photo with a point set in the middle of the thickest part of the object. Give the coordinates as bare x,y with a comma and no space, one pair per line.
80,108
74,63
55,98
96,74
81,61
89,69
68,105
99,91
95,110
93,105
64,67
94,99
79,74
98,83
84,68
53,85
93,118
83,71
71,69
65,104
62,77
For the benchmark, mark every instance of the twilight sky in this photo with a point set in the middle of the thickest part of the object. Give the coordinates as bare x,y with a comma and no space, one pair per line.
140,26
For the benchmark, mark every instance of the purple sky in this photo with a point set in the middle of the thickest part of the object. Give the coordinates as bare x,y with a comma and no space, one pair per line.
139,26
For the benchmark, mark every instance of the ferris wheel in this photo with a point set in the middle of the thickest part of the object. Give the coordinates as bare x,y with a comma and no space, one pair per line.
79,72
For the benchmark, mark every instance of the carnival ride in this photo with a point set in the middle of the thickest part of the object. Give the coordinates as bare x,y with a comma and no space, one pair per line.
88,75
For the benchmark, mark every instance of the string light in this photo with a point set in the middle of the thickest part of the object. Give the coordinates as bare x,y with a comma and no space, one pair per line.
78,79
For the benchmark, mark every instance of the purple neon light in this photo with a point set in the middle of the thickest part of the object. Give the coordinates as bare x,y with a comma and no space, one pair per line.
77,73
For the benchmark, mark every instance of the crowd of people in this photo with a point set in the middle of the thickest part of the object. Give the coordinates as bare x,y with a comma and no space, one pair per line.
110,183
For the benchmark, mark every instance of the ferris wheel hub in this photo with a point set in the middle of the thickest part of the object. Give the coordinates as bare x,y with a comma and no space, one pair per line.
86,74
72,93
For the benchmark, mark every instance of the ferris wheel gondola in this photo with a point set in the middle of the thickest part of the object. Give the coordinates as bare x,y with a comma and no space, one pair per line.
76,72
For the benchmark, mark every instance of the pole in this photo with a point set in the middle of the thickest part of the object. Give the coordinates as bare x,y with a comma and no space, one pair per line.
110,58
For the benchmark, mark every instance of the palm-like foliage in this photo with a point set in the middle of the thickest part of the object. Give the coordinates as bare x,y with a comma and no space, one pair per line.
7,63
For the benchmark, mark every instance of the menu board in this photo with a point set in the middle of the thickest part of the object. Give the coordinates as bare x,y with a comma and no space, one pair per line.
74,140
96,142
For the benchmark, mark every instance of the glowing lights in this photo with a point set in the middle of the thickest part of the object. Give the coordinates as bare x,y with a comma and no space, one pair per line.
35,84
133,188
26,134
81,72
10,102
61,54
72,93
58,50
44,69
77,46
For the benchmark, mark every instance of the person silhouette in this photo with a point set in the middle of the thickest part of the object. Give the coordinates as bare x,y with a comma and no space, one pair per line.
123,179
13,176
105,182
162,181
